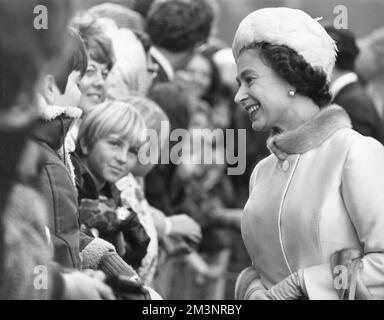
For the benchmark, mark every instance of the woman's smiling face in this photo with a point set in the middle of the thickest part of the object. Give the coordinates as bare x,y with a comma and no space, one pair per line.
262,93
92,85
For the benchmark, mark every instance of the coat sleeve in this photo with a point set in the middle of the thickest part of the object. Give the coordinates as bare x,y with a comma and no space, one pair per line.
63,222
27,269
362,188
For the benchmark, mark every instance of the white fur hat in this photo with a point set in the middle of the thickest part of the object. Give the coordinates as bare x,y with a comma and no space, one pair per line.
290,27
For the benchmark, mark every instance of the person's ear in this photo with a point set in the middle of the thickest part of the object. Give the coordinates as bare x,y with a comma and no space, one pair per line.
49,89
83,147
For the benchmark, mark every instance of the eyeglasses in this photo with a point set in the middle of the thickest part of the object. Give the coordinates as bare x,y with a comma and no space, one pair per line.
153,70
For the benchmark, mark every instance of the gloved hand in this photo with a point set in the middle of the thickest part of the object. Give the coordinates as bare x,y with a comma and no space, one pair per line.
291,288
136,239
256,291
126,289
257,294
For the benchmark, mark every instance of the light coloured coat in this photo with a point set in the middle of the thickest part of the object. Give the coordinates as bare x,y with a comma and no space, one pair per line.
320,191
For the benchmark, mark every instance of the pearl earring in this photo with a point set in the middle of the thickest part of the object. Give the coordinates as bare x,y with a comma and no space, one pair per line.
291,93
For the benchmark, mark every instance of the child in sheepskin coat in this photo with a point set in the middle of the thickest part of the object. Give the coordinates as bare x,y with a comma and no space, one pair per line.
72,248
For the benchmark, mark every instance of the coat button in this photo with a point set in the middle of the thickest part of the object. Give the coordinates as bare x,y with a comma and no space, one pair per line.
285,165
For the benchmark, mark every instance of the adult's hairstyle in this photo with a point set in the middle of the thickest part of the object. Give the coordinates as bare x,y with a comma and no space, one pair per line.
142,6
216,83
307,80
174,101
179,25
123,17
347,49
111,118
129,74
144,39
73,58
97,43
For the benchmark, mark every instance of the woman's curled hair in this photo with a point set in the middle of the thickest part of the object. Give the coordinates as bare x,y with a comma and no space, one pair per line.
289,65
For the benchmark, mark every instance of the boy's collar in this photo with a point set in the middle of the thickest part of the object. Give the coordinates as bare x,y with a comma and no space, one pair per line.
50,112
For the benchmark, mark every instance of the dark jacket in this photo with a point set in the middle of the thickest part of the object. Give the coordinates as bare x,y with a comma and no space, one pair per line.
60,193
361,110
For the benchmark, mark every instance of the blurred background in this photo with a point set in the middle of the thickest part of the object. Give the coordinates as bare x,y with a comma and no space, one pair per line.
363,15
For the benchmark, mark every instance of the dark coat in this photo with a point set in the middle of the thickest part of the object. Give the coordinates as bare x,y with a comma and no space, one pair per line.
60,193
361,110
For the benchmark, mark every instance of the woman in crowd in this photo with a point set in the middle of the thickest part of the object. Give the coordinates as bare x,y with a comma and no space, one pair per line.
284,60
203,77
100,61
131,74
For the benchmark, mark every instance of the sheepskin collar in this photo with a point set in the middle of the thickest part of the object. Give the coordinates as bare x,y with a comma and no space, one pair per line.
311,134
55,122
51,112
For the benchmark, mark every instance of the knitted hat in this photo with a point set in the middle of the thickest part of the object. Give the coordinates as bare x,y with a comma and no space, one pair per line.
290,27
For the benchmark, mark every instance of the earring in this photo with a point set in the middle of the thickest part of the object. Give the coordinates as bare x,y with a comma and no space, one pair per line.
291,93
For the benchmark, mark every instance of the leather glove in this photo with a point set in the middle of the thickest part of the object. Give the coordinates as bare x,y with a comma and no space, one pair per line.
256,291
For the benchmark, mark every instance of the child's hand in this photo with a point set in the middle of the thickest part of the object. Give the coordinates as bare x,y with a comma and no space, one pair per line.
183,225
82,286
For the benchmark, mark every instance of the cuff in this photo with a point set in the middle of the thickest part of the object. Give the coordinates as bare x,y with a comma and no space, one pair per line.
244,280
113,264
94,252
254,286
318,282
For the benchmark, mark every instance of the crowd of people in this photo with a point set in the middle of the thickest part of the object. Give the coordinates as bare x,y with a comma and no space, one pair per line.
82,216
76,101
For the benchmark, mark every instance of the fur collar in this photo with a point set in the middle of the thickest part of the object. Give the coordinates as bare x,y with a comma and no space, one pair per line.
51,112
311,134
